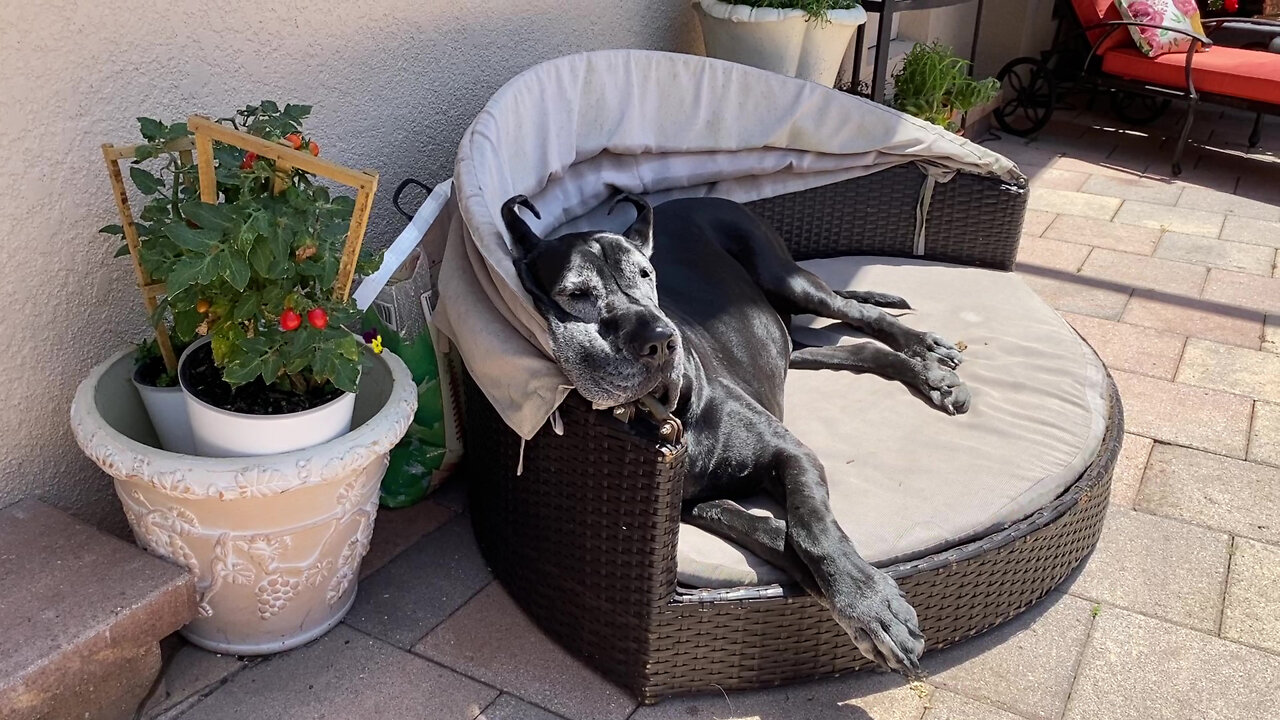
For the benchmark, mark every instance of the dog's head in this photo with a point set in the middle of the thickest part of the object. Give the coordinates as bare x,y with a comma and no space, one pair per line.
599,296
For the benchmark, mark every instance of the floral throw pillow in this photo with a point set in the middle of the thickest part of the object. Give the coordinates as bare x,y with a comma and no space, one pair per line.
1182,14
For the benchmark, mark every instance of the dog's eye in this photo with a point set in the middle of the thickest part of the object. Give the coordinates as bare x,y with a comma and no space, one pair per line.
644,273
579,294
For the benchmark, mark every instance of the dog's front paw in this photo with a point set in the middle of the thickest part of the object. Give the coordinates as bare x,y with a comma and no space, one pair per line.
946,353
882,624
944,388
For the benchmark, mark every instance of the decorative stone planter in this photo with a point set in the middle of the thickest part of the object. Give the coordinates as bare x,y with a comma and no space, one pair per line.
779,39
275,541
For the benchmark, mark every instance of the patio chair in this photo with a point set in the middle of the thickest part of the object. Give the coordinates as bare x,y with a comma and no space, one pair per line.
580,520
1246,78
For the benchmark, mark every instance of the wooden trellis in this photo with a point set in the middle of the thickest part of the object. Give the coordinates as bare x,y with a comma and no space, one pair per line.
207,132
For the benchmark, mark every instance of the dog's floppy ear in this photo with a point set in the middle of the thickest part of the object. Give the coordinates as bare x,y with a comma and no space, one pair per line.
524,237
641,231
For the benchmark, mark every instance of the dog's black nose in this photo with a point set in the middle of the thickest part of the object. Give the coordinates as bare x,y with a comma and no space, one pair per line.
654,344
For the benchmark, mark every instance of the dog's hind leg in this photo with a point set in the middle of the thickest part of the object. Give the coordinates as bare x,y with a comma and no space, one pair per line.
936,382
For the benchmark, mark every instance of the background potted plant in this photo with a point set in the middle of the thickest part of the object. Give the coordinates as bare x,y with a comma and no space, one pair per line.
801,38
275,541
934,85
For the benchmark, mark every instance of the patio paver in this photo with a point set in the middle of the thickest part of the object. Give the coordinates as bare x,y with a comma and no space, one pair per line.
1131,565
1133,188
1271,334
1140,271
1024,666
1059,179
510,707
422,586
1069,294
1183,220
189,670
945,705
1129,347
1252,613
345,674
1137,667
1195,317
1199,198
1036,221
1225,494
396,530
1251,373
492,640
1175,413
1243,290
1103,234
1130,466
1073,203
1238,228
1211,252
1052,254
1264,434
875,696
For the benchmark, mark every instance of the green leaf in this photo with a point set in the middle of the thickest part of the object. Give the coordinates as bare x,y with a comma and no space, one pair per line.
176,131
272,366
246,307
193,270
143,153
146,183
237,271
121,251
185,323
208,215
242,369
200,241
111,230
150,128
269,107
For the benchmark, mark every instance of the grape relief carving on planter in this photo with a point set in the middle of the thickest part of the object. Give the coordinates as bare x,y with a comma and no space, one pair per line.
254,558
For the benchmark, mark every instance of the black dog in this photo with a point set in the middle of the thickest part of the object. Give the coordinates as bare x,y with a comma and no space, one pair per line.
691,304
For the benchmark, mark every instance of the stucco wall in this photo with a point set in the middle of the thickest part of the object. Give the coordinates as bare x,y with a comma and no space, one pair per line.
394,83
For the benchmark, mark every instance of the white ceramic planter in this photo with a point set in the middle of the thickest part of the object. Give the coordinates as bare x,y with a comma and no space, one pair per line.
780,40
275,541
167,408
222,433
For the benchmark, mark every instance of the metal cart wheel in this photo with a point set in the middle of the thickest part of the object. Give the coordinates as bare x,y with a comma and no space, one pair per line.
1028,92
1137,109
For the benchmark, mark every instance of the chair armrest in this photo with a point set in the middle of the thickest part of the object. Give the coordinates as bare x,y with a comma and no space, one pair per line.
1213,23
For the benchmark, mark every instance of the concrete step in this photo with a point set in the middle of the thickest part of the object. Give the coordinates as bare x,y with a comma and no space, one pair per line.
81,616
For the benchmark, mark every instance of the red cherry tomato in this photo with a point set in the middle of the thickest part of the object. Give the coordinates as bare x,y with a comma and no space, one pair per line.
315,148
249,160
318,318
290,320
294,140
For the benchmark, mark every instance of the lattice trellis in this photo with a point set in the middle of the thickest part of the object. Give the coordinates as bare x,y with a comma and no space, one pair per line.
207,132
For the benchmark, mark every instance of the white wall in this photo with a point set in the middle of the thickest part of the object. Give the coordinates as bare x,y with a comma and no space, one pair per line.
394,83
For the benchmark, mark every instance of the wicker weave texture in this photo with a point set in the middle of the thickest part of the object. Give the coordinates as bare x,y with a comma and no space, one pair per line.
972,220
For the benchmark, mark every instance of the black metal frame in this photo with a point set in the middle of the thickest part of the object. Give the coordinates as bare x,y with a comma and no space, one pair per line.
886,9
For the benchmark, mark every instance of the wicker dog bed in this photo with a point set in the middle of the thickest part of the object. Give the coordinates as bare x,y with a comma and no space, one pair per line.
585,538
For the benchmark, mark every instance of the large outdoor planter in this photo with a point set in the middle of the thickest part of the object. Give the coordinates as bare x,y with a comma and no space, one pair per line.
777,39
275,541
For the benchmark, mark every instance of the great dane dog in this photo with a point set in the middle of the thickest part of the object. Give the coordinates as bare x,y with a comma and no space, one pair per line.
691,304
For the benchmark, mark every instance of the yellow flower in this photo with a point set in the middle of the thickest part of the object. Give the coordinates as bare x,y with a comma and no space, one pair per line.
377,345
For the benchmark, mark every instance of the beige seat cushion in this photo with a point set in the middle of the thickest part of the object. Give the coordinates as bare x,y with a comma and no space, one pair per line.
907,480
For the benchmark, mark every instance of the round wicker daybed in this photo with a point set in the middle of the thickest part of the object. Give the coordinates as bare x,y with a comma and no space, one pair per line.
580,520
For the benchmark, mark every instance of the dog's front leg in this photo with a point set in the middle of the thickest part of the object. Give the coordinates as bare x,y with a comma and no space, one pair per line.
866,602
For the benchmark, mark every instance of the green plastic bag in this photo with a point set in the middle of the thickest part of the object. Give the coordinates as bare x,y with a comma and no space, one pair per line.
411,471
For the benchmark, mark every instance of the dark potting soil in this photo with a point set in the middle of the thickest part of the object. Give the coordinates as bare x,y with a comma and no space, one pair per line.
150,372
204,380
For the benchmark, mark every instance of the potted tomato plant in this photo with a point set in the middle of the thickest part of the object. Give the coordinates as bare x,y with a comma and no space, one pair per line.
800,38
251,257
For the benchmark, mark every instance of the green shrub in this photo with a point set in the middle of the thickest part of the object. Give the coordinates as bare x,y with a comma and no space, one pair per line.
817,9
933,85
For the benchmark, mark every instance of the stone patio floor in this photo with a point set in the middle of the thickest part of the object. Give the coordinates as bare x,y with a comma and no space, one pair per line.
1176,615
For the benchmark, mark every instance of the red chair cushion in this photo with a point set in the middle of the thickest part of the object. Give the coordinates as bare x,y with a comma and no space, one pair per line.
1240,73
1092,12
